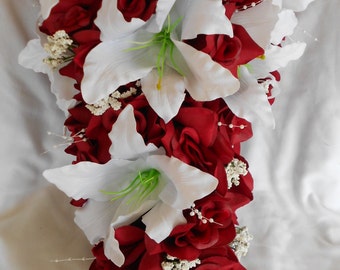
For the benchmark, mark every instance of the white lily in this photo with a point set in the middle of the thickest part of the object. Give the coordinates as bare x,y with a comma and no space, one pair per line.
251,101
32,57
153,52
138,181
259,21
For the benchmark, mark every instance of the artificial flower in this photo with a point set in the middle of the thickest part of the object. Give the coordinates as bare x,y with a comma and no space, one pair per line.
210,223
220,258
70,16
62,87
174,186
97,127
76,18
284,26
153,52
251,102
131,243
197,135
142,9
229,52
143,253
259,21
276,57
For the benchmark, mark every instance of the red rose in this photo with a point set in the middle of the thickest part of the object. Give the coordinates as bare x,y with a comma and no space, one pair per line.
240,195
187,241
71,16
221,258
84,40
143,253
76,18
132,244
232,5
97,127
228,52
142,9
200,135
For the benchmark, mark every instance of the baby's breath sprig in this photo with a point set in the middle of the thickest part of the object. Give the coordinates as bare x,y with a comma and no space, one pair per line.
60,47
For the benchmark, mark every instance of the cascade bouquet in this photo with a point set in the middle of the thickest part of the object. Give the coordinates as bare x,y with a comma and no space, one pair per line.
159,95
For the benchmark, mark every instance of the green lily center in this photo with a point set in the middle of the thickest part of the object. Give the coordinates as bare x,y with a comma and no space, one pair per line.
166,49
140,188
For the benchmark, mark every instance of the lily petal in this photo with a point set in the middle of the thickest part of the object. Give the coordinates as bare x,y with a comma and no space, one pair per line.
259,21
251,102
284,26
111,64
62,87
156,22
277,57
32,57
167,100
123,216
160,221
112,24
88,180
94,218
203,17
183,186
204,79
112,250
181,190
127,143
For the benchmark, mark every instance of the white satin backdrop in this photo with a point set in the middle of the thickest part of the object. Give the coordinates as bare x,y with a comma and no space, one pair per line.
295,216
36,220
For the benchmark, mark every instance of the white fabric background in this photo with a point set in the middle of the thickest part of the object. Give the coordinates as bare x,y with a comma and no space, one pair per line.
295,216
36,220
